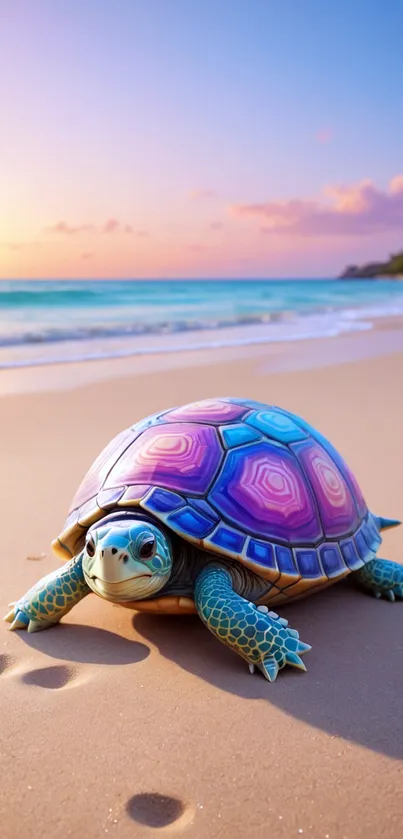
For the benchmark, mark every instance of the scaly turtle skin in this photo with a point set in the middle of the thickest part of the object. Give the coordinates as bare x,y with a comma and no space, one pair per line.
223,507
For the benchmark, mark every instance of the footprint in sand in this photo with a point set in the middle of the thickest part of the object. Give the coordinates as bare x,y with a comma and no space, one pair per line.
53,678
57,677
6,663
152,809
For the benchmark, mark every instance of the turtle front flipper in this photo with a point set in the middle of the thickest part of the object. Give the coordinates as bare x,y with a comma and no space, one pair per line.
50,599
259,636
383,577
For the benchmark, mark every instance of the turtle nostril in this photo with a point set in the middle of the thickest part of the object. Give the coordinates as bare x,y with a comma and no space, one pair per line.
114,550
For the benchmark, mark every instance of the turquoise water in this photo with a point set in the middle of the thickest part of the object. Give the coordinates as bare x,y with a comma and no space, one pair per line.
45,321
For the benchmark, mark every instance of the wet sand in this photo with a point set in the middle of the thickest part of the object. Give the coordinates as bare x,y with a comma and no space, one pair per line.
127,724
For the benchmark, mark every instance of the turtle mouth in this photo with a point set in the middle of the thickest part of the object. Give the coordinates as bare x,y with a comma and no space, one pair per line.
107,583
130,589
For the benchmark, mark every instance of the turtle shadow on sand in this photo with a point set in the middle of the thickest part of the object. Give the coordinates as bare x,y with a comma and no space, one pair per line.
354,685
86,644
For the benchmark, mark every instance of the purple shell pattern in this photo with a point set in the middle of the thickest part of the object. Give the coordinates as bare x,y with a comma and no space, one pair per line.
250,481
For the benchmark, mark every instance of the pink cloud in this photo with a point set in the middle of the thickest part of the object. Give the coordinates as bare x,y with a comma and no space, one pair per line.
325,135
216,225
87,255
202,195
396,184
357,210
111,226
198,248
143,234
69,229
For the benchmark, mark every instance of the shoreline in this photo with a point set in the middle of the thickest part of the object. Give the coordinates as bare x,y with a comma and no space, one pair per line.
78,325
384,338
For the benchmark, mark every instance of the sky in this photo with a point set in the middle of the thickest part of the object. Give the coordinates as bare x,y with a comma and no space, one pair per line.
199,138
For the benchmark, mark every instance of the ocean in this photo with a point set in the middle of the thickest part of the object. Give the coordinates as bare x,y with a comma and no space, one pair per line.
42,322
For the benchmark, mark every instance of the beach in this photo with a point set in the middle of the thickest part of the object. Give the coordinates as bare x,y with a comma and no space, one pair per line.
127,724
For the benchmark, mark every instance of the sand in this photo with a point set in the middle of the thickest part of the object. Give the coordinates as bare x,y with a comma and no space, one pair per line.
133,725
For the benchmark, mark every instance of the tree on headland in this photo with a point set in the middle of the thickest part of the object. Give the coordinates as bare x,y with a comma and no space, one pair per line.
393,268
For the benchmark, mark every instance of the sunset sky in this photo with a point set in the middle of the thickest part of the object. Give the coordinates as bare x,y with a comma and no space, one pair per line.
199,138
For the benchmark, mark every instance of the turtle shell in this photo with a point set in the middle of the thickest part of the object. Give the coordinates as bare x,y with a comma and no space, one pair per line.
246,480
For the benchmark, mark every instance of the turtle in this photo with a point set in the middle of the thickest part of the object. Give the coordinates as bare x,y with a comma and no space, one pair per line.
224,507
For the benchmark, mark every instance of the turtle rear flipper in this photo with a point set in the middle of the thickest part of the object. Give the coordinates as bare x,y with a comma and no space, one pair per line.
383,577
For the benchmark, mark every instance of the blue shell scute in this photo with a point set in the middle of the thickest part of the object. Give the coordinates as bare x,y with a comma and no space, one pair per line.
331,559
285,560
350,554
262,553
365,552
203,507
236,435
371,534
276,425
190,521
308,562
163,501
227,539
301,423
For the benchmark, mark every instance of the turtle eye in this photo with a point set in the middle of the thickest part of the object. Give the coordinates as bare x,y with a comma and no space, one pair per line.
147,547
90,547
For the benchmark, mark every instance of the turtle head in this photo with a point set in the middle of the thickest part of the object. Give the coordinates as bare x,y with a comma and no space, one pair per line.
126,559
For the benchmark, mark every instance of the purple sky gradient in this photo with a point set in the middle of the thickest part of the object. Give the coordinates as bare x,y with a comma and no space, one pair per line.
171,138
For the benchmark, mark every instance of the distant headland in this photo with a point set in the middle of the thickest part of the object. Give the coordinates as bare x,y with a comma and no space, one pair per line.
392,269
